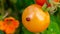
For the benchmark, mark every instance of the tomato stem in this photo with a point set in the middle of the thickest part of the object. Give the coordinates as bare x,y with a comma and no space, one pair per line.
44,7
48,9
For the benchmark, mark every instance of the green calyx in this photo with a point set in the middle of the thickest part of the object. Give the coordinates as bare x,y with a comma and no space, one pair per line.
45,8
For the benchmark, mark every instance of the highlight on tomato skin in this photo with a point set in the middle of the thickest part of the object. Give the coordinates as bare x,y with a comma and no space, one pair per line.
39,19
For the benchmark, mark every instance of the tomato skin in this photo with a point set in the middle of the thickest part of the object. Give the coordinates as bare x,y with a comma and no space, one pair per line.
40,2
38,19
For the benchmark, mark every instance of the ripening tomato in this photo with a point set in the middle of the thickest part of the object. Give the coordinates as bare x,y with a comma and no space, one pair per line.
40,2
35,19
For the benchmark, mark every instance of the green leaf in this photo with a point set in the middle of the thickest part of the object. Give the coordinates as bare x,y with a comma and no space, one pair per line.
26,31
20,4
53,27
29,2
1,32
13,1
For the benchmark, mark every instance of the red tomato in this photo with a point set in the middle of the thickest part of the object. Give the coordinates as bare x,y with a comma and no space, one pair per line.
40,2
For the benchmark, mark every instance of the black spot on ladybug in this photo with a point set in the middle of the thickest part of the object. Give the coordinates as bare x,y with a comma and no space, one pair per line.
28,19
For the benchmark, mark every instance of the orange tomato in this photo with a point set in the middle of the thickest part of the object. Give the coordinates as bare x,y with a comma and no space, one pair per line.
40,2
35,19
